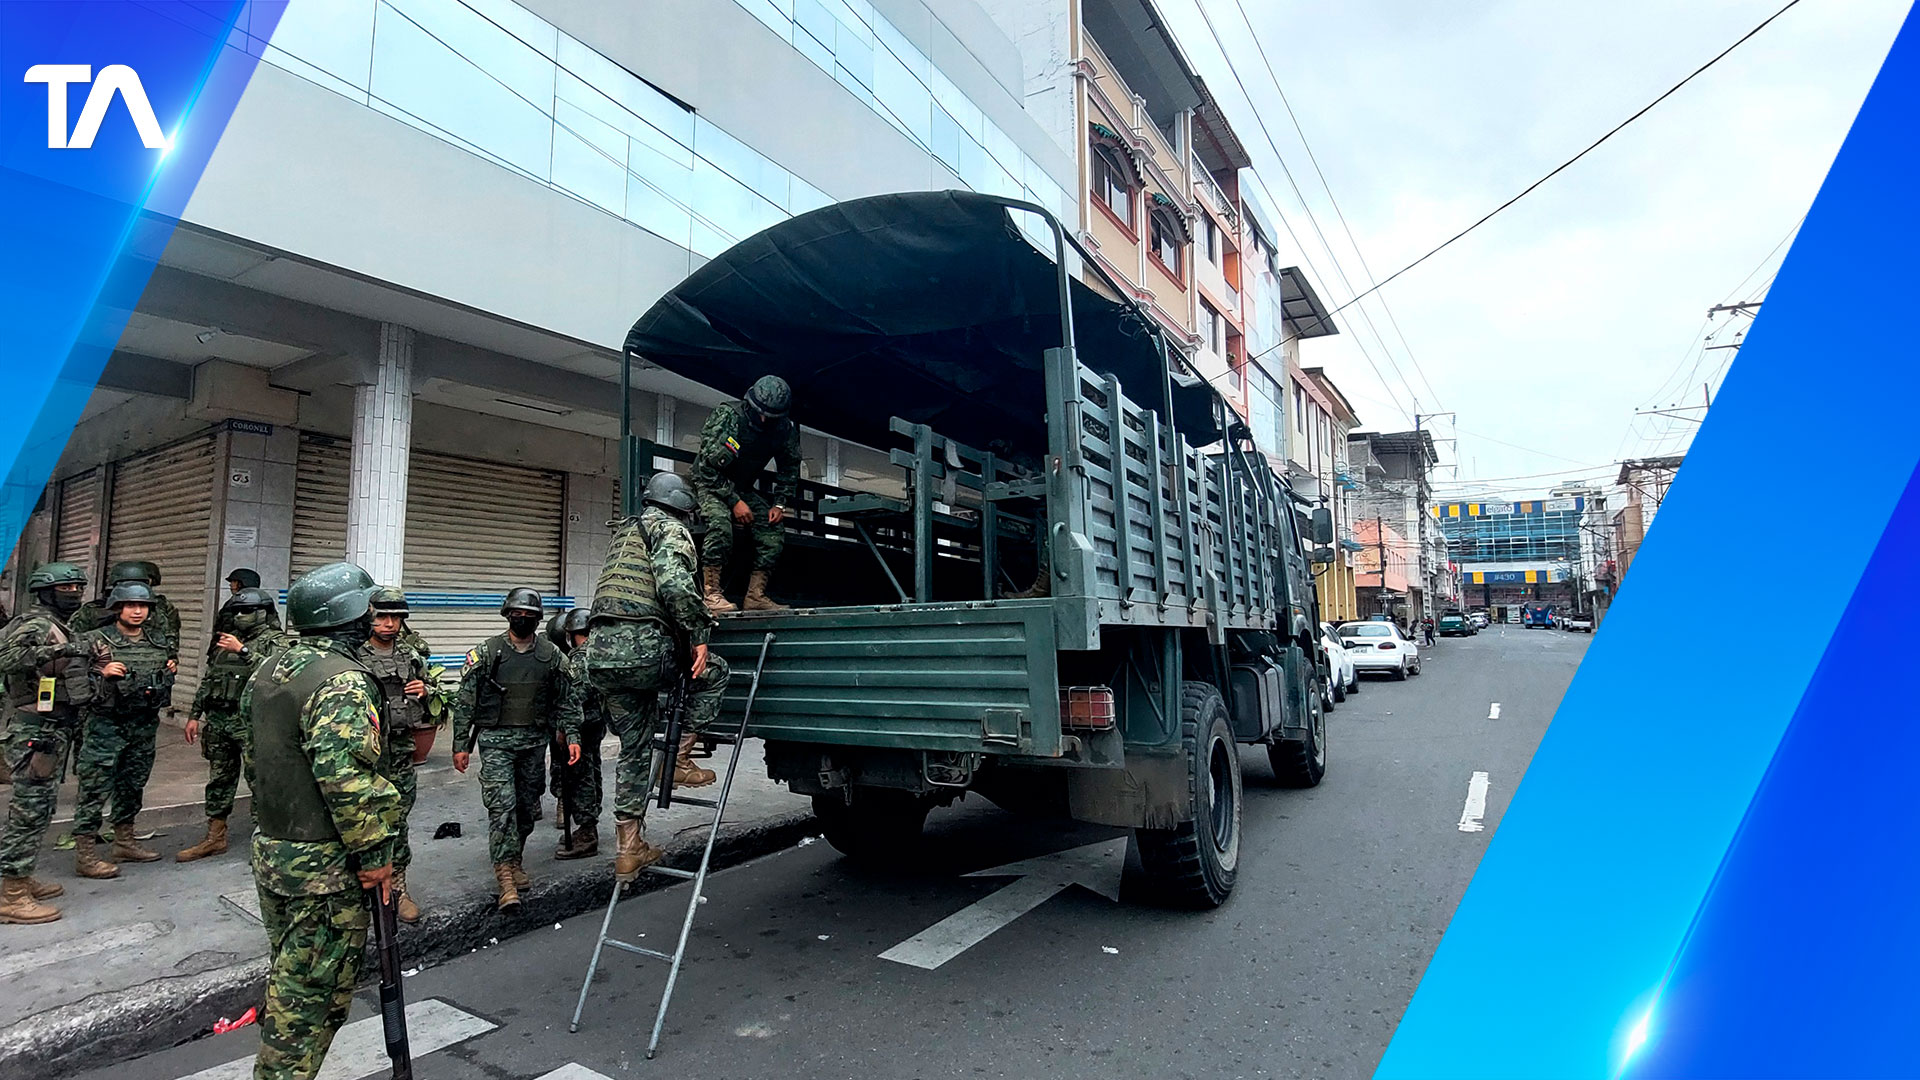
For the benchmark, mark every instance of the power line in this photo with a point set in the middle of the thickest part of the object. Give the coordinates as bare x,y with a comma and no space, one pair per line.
1324,186
1565,164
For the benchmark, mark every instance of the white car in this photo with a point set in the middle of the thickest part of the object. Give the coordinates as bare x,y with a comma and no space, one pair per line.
1480,619
1380,646
1345,680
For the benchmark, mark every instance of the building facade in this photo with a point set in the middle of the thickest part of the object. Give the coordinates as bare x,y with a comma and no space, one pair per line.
1394,473
1513,551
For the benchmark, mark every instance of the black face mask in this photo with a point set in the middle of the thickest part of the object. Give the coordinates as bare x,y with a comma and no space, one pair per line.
348,636
64,603
523,625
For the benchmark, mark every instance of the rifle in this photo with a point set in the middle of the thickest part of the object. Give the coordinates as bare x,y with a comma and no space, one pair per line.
393,1006
676,711
565,794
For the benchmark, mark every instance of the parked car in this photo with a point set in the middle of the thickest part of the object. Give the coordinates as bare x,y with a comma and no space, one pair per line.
1380,647
1480,619
1345,680
1579,623
1455,624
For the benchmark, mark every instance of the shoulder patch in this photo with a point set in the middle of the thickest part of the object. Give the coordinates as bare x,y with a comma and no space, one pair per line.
733,444
473,657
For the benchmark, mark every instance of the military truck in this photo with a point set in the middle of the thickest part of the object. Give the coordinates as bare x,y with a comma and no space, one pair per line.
1084,591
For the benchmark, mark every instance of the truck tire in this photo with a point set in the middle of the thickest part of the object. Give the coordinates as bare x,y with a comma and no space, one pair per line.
1194,864
879,823
1301,763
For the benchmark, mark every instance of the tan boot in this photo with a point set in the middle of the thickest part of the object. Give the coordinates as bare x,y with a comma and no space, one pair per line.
214,844
520,877
17,904
685,772
126,847
45,890
509,892
757,599
717,601
581,843
632,853
87,861
403,905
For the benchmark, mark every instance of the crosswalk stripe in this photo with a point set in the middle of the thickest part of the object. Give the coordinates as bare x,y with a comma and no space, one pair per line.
96,941
360,1049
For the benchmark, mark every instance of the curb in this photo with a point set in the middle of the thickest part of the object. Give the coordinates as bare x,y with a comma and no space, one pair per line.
110,1028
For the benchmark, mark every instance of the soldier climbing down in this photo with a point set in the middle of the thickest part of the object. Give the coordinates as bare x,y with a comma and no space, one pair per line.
215,720
48,684
735,445
648,624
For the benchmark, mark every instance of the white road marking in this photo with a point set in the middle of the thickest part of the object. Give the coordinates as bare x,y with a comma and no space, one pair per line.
94,942
573,1070
1095,866
360,1049
1476,807
1494,712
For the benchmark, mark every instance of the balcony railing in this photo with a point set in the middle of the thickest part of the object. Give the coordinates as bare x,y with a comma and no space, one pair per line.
1204,181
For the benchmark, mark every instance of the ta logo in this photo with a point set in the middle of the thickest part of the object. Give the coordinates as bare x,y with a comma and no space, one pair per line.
114,79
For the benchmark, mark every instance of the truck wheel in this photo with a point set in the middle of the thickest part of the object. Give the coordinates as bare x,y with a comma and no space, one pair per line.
879,823
1194,864
1301,763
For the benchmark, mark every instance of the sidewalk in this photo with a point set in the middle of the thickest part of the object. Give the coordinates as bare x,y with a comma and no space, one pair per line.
160,953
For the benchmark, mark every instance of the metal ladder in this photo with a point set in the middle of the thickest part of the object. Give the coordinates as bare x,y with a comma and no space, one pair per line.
668,746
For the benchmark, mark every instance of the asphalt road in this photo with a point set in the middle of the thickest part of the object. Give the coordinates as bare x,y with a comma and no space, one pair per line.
1343,895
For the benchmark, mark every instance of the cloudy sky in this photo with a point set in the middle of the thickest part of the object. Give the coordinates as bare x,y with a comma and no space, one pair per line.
1546,328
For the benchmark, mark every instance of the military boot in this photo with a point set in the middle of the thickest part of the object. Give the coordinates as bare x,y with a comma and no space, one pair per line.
87,861
520,877
45,890
126,846
685,772
632,853
403,904
509,892
17,904
214,844
717,601
580,844
757,598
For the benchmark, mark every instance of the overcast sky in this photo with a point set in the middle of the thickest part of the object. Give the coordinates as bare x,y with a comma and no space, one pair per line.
1548,326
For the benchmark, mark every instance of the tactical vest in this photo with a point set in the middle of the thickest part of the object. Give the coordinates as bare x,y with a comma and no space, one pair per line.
626,588
226,674
295,810
72,686
393,671
147,684
509,694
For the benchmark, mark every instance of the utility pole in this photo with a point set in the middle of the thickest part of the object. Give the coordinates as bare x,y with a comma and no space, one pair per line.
1380,538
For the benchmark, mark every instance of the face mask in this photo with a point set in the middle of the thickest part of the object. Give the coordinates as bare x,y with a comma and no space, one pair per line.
248,620
522,625
66,603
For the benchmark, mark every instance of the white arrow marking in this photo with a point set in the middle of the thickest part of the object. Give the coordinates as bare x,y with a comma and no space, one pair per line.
573,1070
1494,712
361,1047
1095,866
1476,807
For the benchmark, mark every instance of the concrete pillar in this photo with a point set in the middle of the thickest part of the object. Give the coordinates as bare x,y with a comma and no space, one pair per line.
586,536
382,437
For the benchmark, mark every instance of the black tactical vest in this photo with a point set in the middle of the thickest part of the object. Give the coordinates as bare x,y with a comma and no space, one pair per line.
288,804
72,686
226,674
510,694
147,684
394,670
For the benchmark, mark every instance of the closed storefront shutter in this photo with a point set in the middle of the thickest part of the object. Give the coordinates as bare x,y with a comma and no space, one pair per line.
476,529
77,528
162,511
320,502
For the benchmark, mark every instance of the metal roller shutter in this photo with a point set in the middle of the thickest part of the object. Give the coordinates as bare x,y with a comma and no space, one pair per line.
77,529
476,529
320,502
162,511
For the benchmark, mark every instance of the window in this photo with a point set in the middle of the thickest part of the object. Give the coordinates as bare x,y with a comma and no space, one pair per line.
1209,326
1213,239
1110,185
1165,241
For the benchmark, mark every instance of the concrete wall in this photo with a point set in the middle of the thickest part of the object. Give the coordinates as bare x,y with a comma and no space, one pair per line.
254,525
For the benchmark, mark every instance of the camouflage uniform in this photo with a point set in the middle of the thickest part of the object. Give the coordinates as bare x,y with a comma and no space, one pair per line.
123,721
584,779
733,454
310,899
33,645
631,655
225,737
510,703
393,669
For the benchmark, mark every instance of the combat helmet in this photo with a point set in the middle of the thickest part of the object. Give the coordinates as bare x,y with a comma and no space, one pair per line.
328,596
522,600
248,599
669,492
389,599
48,575
129,592
770,397
133,570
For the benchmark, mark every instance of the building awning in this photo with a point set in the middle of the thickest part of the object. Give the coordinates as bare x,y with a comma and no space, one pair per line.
1301,306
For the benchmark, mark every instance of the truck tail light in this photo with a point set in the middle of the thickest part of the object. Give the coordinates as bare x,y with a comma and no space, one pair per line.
1087,708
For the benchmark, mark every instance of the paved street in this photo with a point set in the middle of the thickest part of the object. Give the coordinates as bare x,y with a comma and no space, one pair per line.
1343,895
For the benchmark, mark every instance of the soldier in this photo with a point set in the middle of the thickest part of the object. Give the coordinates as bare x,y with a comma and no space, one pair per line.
516,690
223,619
402,674
649,624
578,787
46,668
735,445
163,620
123,719
324,816
215,719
